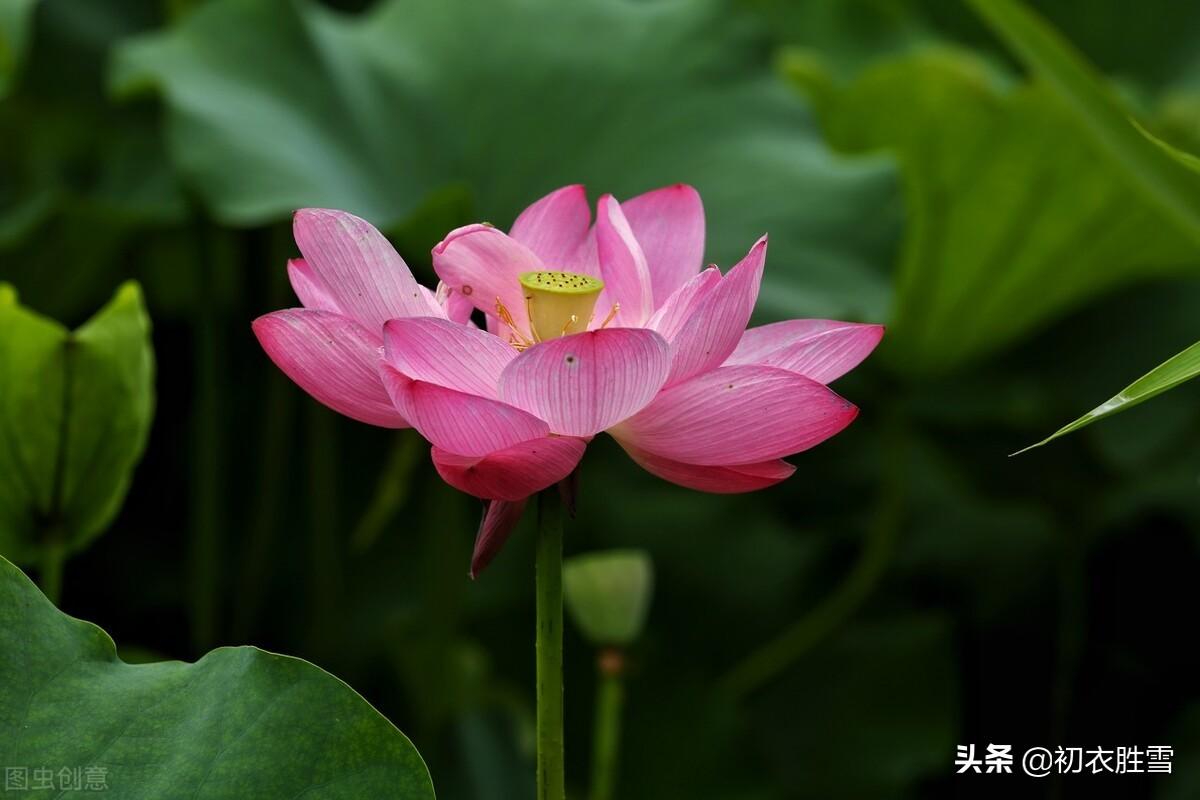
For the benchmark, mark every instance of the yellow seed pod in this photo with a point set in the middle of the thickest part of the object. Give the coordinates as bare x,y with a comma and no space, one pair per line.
559,303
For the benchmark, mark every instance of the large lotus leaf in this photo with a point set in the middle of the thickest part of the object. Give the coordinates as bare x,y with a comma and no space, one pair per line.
278,104
75,409
1099,112
1016,216
238,723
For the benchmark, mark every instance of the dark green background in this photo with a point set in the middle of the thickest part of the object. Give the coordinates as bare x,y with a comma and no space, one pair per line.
906,171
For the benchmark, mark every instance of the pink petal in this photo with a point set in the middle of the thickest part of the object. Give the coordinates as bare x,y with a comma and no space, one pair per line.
584,383
484,265
447,354
333,358
309,288
718,480
555,226
513,473
822,349
456,421
737,415
669,225
458,308
716,323
622,266
499,519
673,314
364,274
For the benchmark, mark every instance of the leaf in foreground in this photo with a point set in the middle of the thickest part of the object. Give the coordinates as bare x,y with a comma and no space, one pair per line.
1172,372
238,723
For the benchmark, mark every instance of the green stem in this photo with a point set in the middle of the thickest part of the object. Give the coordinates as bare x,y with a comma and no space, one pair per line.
53,556
606,739
551,777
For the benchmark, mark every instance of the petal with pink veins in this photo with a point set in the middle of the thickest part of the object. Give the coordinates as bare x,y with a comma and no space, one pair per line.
363,273
456,421
555,226
717,480
513,473
484,265
712,330
447,354
672,315
737,415
584,383
669,225
622,266
822,349
500,517
309,288
333,358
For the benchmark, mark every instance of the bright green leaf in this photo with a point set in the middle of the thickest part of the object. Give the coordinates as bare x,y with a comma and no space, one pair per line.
1186,159
274,105
1015,216
238,723
75,409
16,17
608,594
1172,372
1096,106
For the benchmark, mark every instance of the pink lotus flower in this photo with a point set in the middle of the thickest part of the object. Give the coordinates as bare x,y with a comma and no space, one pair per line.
610,327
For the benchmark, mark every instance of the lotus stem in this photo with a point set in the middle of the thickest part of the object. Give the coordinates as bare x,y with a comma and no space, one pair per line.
606,739
551,779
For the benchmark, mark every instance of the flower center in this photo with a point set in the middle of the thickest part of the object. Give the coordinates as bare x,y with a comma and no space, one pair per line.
559,303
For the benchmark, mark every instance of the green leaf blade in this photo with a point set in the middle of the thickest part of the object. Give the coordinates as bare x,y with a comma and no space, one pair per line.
240,722
1176,370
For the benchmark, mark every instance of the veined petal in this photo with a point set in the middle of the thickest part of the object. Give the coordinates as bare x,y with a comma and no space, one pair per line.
622,266
584,383
364,274
500,517
737,415
718,480
555,226
456,421
716,323
445,353
822,349
333,358
309,288
669,225
513,473
484,266
672,315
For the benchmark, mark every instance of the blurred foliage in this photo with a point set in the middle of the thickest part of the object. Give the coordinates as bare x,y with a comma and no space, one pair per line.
168,725
1024,273
608,595
74,416
372,114
1015,216
14,31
